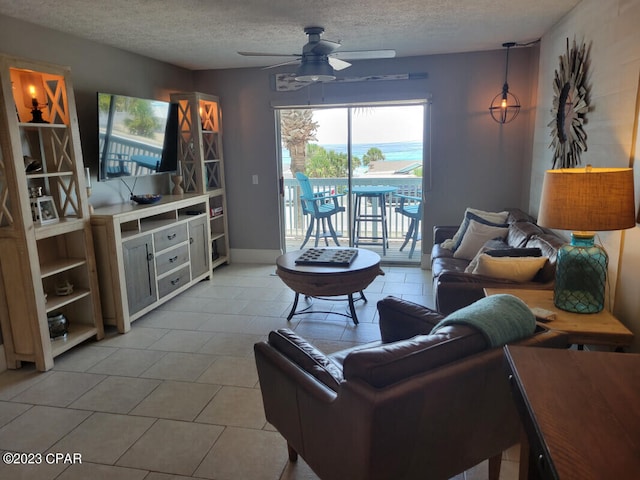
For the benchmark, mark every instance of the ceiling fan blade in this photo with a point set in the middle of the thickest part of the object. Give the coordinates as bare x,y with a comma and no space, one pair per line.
323,47
290,62
262,54
364,54
338,64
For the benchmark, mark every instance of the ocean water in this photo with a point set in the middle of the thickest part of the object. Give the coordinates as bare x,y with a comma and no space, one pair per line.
394,151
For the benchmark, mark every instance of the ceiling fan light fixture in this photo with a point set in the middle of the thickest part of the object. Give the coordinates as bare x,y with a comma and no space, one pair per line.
315,70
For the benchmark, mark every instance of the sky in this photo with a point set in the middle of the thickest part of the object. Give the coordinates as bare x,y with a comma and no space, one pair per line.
371,125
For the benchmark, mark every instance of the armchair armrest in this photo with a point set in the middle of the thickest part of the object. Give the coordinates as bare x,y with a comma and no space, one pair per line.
444,232
306,356
400,319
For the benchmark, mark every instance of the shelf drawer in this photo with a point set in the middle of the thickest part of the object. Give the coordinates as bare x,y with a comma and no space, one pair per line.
172,259
170,237
174,281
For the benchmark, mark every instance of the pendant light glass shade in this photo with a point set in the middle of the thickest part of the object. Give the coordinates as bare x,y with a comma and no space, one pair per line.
505,106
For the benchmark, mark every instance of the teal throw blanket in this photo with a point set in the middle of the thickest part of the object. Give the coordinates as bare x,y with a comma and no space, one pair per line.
501,319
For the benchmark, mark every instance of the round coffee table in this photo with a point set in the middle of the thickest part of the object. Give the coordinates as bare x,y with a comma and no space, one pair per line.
329,280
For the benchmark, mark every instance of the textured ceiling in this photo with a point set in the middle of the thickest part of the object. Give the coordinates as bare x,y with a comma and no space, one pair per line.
206,34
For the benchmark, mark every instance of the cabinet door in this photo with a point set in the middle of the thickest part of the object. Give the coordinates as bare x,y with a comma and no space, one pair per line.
198,251
139,271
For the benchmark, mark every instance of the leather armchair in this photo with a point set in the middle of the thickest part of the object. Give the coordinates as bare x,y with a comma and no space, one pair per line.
412,406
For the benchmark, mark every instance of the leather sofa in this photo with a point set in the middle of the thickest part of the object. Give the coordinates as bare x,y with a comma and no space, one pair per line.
414,405
455,288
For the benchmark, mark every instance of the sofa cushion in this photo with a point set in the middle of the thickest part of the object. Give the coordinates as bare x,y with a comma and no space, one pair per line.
438,251
516,269
476,235
309,358
393,362
521,232
440,265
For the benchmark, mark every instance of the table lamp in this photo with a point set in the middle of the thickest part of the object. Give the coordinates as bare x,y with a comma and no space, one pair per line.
585,200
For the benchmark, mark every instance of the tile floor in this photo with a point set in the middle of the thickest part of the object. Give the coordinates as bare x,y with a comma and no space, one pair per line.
178,396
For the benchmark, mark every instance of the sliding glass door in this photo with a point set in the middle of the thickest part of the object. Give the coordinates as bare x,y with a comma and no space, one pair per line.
343,150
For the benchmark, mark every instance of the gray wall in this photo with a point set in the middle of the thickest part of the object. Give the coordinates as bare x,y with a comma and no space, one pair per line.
475,161
97,68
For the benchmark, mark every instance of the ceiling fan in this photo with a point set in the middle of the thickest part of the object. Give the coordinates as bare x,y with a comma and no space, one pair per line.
319,59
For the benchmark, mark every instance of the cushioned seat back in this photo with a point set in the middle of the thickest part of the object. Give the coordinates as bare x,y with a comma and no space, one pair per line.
392,362
520,232
548,244
517,215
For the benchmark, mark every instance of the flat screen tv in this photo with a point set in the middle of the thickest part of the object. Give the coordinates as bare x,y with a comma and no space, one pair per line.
136,136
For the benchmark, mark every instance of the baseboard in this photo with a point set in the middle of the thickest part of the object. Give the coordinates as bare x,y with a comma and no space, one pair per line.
425,261
3,360
246,255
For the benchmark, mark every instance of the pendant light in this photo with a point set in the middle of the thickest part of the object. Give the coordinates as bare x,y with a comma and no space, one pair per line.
505,106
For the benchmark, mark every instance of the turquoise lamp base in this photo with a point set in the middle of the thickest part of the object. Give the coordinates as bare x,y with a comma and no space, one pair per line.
581,274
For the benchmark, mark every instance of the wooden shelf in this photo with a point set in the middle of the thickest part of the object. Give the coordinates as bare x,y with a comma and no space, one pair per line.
221,260
55,302
49,175
38,126
60,265
202,160
37,257
78,333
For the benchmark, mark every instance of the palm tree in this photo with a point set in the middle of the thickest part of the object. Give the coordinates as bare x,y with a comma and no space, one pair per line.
373,155
297,129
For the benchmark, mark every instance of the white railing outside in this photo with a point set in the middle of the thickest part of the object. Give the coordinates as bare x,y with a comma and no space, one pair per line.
296,223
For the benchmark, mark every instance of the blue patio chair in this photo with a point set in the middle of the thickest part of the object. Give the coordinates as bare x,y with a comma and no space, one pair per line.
320,206
411,207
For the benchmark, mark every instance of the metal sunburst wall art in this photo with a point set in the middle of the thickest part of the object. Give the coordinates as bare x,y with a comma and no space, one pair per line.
570,106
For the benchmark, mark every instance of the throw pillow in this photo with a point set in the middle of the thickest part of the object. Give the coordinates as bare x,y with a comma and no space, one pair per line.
472,216
490,246
516,269
494,217
475,236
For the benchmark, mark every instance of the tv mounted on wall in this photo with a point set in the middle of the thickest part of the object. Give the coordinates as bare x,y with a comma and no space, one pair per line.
136,136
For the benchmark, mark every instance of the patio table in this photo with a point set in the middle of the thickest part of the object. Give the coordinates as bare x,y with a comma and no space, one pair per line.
377,193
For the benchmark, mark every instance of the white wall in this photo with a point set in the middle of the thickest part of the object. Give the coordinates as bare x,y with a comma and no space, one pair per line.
610,28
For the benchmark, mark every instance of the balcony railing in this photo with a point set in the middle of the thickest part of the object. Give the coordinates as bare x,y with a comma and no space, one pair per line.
296,223
129,157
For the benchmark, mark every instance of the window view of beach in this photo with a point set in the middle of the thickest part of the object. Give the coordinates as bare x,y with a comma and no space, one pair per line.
357,146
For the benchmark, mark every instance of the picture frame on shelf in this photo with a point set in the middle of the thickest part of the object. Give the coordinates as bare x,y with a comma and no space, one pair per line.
45,211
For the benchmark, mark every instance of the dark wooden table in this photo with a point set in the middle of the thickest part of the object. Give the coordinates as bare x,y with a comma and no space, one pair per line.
580,411
328,280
